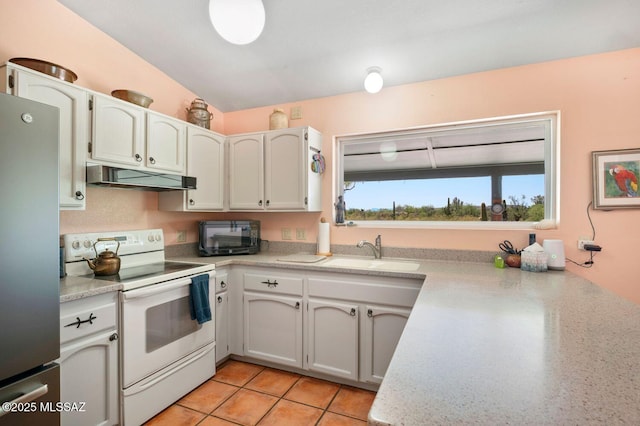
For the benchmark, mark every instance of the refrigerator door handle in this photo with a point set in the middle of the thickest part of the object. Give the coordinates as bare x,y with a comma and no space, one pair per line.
27,397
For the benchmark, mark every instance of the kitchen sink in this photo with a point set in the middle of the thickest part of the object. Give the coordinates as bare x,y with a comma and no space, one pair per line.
381,264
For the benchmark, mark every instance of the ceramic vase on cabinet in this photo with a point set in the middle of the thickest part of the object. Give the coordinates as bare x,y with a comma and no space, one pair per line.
278,120
198,114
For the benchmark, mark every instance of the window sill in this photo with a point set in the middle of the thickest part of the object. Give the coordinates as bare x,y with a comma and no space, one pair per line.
448,225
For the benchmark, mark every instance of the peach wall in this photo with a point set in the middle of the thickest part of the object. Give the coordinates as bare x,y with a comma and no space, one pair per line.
599,97
47,30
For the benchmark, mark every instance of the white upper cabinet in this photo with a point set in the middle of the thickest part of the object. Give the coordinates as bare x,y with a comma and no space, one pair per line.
205,162
272,170
73,104
285,170
166,143
118,132
246,172
131,136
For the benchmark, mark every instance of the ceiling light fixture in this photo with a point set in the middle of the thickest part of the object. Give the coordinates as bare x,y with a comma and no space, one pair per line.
373,81
237,21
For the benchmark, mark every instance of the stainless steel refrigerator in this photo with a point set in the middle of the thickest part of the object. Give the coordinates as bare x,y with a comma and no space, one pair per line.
29,263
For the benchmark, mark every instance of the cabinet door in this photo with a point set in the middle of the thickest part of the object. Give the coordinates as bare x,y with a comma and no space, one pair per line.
222,326
89,374
285,170
205,161
118,132
333,338
382,329
222,316
73,134
246,172
273,328
166,143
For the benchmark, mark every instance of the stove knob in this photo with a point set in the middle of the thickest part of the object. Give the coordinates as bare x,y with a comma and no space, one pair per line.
75,245
158,237
150,238
87,243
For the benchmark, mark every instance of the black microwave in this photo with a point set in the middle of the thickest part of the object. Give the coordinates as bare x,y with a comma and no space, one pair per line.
228,237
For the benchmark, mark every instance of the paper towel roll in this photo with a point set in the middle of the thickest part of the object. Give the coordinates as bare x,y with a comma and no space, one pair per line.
324,243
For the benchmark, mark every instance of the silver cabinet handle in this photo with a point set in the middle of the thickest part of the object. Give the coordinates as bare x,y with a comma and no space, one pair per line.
138,158
152,160
219,299
260,202
353,312
113,337
297,305
223,284
191,202
79,195
370,313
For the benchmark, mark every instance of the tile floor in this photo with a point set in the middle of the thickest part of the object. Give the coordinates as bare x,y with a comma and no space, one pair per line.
247,394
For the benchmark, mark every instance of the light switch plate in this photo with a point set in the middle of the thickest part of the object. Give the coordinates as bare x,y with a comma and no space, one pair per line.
296,113
301,234
286,233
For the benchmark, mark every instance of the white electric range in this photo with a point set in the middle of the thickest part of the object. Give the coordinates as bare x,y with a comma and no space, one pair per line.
164,353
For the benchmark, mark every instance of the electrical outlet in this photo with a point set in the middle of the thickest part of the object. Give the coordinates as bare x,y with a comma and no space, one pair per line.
181,237
581,243
286,233
301,234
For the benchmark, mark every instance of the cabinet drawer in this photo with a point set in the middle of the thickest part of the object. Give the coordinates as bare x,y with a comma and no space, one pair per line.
271,283
84,317
401,293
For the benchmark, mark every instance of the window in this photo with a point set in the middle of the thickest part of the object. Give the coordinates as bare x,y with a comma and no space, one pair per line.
489,171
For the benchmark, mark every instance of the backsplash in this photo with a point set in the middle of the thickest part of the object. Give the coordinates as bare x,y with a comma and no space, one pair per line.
280,247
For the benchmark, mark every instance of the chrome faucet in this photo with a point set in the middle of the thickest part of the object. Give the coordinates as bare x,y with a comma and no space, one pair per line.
377,249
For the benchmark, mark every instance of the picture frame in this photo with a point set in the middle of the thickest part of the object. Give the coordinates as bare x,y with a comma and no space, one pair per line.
615,179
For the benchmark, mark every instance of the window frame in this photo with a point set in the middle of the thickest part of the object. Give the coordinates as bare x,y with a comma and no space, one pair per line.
551,122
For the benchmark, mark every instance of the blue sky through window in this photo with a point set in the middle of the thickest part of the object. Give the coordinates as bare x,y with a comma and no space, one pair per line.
434,192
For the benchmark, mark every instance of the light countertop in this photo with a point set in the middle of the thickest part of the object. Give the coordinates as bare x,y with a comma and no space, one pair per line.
493,346
490,346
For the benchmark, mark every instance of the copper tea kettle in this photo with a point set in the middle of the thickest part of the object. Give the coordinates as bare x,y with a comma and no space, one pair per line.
107,262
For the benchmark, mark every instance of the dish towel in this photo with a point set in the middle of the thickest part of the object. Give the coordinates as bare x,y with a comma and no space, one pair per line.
199,298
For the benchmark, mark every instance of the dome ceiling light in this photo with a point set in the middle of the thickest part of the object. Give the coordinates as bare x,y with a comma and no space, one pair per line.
373,81
237,21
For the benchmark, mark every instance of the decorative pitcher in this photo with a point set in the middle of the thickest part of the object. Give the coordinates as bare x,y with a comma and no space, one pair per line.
198,114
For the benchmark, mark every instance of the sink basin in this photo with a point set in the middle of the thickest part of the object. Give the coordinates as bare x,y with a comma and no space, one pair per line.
381,264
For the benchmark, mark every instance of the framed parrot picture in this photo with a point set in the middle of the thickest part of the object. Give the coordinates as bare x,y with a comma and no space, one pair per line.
615,179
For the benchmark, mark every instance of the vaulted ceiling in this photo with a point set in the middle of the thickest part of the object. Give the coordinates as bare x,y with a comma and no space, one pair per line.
317,48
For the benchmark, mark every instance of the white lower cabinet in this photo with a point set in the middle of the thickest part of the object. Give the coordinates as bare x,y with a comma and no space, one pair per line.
89,360
273,328
334,324
222,316
382,328
382,305
272,309
333,338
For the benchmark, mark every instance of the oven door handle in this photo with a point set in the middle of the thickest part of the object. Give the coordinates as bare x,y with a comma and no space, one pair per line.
158,288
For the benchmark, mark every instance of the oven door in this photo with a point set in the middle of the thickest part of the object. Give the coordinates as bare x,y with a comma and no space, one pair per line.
157,328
